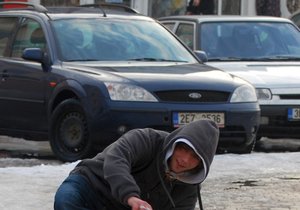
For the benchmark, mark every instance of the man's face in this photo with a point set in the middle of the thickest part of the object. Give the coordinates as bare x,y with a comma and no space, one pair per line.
183,159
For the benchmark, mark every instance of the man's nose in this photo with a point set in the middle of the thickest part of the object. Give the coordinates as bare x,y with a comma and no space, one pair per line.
186,159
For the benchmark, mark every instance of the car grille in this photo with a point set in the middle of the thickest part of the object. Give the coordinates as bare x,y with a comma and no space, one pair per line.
282,121
193,96
280,127
290,97
230,135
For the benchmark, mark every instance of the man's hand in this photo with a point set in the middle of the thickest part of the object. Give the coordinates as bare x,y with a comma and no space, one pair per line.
138,204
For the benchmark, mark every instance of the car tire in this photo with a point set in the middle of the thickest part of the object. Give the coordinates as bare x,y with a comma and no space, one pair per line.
69,135
241,149
258,138
248,148
245,149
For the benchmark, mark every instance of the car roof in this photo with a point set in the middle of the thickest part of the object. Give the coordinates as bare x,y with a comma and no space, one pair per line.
85,11
73,12
220,18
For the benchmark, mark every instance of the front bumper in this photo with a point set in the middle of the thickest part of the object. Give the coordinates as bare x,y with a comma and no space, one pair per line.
275,122
241,120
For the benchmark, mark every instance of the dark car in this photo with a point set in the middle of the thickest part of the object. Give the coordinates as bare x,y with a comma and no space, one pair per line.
83,76
265,51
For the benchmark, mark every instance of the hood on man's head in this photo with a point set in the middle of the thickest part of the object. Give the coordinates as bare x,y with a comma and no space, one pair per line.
203,135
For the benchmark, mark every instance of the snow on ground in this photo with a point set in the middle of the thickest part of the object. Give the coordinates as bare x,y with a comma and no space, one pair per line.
27,187
255,163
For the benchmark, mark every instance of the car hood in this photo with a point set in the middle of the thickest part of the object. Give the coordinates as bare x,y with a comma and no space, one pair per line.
264,74
191,76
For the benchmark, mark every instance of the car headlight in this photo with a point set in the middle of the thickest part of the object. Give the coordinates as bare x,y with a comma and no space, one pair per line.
263,94
244,93
126,92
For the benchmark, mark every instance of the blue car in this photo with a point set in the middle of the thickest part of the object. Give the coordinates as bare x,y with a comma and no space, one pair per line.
81,77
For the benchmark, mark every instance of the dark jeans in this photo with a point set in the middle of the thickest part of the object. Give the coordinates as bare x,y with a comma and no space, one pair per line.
75,193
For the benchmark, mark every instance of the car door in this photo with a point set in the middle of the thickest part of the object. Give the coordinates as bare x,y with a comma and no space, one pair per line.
7,27
22,84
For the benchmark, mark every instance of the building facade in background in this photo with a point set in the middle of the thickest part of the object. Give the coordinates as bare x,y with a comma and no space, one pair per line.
160,8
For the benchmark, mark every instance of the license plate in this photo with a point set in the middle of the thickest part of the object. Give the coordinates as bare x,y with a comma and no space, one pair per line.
294,114
182,118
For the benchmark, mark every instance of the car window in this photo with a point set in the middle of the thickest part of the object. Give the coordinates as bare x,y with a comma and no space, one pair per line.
291,39
185,32
6,29
29,35
117,40
251,40
210,35
170,25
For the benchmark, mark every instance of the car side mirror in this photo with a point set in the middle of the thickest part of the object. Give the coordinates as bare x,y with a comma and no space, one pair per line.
38,55
33,54
201,55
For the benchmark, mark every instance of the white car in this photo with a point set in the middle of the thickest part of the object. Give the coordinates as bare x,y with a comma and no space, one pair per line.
263,50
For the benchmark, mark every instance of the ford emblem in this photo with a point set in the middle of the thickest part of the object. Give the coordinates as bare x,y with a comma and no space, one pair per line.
195,95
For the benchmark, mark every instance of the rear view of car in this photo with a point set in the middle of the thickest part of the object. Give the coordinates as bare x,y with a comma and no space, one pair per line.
85,76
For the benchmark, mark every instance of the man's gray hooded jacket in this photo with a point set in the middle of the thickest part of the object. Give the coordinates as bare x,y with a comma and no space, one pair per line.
134,165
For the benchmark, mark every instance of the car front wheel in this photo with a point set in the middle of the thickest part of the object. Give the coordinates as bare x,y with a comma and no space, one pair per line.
69,135
238,149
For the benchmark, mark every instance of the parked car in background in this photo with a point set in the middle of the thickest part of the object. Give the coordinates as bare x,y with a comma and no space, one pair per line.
83,76
263,50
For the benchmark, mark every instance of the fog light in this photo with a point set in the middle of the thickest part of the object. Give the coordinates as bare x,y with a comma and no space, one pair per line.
264,120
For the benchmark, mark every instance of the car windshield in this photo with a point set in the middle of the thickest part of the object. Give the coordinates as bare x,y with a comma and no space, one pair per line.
117,40
250,41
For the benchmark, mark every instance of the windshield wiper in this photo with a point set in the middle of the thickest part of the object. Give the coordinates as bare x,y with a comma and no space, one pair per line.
154,59
225,59
269,58
81,60
281,57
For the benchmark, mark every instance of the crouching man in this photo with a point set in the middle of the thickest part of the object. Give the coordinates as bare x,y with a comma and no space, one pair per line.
145,169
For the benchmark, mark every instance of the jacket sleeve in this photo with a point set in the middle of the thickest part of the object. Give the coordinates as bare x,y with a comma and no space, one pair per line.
185,197
134,150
